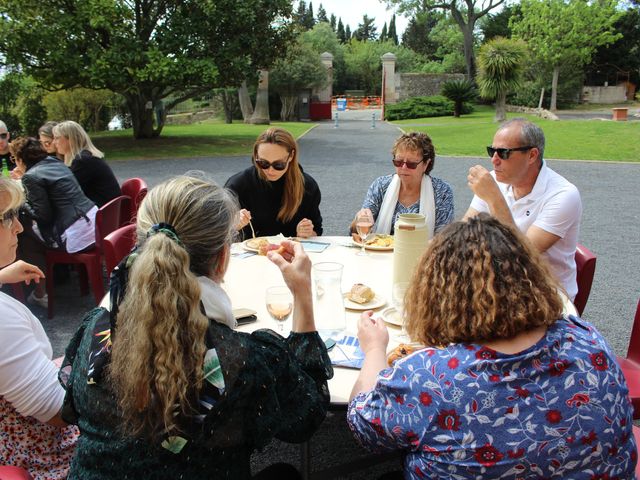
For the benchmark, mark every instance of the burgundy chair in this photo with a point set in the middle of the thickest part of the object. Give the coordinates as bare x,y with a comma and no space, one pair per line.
631,366
108,219
636,433
117,245
136,189
13,473
585,269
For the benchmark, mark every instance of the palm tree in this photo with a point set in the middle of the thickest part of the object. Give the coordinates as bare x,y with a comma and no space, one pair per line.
500,66
459,91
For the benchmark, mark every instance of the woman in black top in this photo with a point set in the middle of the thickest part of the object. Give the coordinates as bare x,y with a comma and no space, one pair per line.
275,194
86,162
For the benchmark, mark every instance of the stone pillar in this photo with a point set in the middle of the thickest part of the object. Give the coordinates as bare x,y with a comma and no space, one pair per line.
324,94
389,78
261,113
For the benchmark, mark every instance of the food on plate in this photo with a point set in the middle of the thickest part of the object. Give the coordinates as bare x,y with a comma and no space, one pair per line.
380,240
360,293
402,351
264,246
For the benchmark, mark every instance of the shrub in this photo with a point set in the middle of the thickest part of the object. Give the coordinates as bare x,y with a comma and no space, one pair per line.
459,92
419,107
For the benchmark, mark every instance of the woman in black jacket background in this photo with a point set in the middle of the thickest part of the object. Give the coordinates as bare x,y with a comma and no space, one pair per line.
59,215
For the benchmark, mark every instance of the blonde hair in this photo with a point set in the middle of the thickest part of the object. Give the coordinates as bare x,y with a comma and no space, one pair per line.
78,140
158,348
479,280
417,142
293,178
11,189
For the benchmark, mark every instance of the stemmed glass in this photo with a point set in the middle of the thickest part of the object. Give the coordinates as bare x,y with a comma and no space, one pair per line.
364,224
279,301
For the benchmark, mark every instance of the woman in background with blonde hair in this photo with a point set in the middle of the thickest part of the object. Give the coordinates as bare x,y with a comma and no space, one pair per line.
275,194
163,383
86,162
507,386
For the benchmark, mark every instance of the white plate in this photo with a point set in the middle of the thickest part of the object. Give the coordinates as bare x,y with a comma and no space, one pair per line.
391,316
374,247
377,302
251,245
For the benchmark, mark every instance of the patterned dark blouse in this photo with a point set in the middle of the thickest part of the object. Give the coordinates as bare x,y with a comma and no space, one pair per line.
267,386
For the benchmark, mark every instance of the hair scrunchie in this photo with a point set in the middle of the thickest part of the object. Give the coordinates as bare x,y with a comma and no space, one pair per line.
167,229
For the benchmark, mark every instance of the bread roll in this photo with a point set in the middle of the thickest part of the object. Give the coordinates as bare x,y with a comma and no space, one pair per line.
360,293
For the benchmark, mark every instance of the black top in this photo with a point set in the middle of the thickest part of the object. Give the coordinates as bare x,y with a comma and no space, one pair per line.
96,178
54,198
264,198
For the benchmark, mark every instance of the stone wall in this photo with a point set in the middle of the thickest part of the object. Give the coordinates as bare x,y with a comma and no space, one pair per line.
616,94
410,85
188,118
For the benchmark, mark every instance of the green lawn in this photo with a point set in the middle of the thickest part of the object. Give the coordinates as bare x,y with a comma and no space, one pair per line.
205,139
566,139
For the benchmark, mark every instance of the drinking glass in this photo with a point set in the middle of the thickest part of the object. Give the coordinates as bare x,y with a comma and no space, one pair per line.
279,301
364,224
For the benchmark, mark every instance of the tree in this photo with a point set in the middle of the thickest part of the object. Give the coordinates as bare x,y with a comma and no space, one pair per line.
322,15
347,33
465,14
366,29
340,32
393,36
500,65
146,51
309,20
497,25
459,92
300,68
300,17
418,34
81,105
332,22
560,32
322,39
383,34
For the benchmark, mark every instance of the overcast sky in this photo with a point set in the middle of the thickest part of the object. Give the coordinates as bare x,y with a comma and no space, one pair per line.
351,12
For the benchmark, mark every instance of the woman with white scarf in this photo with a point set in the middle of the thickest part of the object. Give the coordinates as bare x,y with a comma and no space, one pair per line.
411,189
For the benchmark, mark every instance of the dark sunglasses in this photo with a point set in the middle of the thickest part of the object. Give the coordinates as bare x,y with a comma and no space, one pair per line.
504,153
4,135
410,165
278,165
8,217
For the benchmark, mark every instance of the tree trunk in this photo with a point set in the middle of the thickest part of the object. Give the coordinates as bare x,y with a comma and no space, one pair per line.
457,108
227,105
261,113
289,103
554,88
245,102
141,109
501,107
467,35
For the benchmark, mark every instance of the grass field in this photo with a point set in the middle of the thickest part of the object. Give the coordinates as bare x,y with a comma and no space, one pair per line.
205,139
566,139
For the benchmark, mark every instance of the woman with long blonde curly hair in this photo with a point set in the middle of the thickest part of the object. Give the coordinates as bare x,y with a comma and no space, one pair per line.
163,382
504,385
275,194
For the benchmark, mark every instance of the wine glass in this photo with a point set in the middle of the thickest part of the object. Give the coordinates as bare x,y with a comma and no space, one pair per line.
364,224
279,302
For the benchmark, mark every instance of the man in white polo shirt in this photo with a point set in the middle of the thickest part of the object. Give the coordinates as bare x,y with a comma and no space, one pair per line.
521,190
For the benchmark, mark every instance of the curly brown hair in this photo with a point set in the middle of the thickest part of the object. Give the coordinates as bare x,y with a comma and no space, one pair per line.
480,280
28,150
417,142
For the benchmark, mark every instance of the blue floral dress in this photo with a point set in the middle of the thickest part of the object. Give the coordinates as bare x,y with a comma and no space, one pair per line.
558,409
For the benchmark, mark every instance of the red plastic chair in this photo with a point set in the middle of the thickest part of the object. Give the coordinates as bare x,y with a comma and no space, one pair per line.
117,245
585,269
108,219
13,473
631,366
136,189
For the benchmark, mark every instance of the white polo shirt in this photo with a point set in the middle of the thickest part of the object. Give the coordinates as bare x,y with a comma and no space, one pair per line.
553,205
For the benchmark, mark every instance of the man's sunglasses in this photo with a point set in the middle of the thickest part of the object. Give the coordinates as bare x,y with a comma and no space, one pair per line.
4,135
8,217
410,165
504,153
278,165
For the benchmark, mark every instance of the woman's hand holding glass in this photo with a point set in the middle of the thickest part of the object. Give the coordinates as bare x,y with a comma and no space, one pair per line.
295,266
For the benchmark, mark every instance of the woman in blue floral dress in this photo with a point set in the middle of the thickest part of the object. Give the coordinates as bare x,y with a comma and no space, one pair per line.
162,386
508,387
